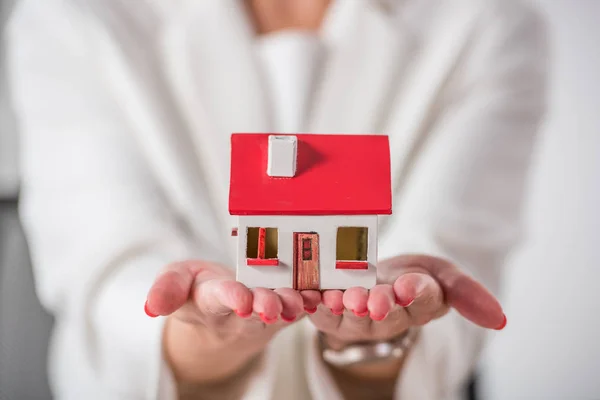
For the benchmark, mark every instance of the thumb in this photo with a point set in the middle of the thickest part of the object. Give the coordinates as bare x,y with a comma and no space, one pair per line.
171,289
221,296
463,293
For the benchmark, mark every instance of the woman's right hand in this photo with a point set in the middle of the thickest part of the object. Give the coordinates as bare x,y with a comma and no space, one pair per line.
215,324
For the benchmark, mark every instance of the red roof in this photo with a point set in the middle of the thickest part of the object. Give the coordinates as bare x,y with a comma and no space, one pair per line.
336,175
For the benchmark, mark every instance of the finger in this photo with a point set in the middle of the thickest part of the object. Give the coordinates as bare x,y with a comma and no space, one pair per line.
405,289
267,305
475,303
325,319
355,324
171,289
221,296
471,299
380,302
292,303
421,295
355,299
312,299
332,299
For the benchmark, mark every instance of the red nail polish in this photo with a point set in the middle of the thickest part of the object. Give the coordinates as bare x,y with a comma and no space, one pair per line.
266,320
288,319
361,314
405,304
337,312
243,315
502,325
147,311
378,317
310,310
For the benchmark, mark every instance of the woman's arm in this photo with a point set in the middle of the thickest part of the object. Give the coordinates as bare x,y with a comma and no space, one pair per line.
462,199
99,227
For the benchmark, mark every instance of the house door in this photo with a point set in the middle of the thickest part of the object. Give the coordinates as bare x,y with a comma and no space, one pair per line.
306,261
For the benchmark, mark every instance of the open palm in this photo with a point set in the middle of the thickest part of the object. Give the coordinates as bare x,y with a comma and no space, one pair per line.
415,289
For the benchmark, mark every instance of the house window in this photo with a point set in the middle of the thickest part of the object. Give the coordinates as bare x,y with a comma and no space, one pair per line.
351,247
306,249
262,246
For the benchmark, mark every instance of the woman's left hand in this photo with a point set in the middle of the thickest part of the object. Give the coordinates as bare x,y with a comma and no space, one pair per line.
416,290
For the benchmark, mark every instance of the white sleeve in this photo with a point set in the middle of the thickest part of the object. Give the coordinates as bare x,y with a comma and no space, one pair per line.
464,195
98,225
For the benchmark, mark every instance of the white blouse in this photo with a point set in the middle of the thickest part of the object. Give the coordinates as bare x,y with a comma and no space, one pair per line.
290,62
106,152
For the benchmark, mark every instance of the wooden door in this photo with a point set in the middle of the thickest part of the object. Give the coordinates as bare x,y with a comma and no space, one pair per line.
306,261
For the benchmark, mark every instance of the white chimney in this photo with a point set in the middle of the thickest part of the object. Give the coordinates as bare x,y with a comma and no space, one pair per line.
283,152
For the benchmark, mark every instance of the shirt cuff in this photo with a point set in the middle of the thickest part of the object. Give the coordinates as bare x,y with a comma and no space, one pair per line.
128,344
167,386
261,382
321,383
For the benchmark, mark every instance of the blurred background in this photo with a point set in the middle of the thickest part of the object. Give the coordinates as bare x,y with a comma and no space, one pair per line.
551,347
24,326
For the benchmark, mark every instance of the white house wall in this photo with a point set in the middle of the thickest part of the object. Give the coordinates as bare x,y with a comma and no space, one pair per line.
326,227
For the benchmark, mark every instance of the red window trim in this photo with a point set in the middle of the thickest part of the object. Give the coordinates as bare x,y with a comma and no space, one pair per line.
362,265
266,262
261,259
262,238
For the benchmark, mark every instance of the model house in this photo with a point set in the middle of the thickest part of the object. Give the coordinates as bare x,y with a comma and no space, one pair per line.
307,208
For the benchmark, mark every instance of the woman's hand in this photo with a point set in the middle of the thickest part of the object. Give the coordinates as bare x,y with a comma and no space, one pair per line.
415,290
216,325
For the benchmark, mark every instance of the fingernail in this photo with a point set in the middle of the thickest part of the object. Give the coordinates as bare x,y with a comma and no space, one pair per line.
147,311
360,314
310,310
266,320
502,325
243,315
337,312
375,317
405,303
288,319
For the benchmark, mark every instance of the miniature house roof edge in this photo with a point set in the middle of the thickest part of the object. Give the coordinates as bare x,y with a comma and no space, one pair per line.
235,212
